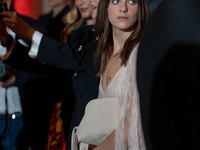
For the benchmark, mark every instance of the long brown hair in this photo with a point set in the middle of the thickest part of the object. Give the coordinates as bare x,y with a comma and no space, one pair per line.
72,21
103,30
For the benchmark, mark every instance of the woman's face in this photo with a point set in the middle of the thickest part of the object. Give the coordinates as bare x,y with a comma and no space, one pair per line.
84,6
8,2
94,4
122,14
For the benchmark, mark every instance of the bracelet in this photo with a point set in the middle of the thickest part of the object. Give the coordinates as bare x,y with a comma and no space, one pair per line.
8,42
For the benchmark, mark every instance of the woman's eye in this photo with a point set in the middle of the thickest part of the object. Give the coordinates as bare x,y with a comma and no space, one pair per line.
115,1
132,2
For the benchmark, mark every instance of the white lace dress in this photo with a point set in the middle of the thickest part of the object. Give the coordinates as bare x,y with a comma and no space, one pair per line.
123,86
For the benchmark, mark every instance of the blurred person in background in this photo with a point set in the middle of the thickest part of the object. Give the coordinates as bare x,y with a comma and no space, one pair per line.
11,120
77,55
43,78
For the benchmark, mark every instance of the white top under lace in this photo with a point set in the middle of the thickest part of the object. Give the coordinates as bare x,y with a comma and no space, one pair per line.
123,85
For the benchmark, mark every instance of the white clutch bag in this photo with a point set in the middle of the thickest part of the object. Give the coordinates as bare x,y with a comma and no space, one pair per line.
99,121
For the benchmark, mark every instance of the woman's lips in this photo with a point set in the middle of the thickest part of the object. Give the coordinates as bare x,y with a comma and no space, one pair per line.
122,18
83,9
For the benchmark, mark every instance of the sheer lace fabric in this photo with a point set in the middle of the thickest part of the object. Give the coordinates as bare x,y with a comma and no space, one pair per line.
123,86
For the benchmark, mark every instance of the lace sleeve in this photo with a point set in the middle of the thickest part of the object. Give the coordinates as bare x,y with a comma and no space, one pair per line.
129,133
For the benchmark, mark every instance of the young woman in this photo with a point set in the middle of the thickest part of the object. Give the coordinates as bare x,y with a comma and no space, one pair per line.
78,16
119,27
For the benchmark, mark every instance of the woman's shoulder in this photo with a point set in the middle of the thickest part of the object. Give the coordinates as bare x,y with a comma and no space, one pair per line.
133,57
82,30
134,53
82,36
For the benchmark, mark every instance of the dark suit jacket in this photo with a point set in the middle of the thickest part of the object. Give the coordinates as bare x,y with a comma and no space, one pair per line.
49,84
168,76
67,56
54,25
41,87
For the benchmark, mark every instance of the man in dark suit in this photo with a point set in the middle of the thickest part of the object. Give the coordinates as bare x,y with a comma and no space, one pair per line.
153,4
49,84
40,86
168,76
67,56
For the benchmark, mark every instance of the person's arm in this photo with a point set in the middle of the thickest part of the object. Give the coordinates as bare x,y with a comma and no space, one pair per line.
9,79
51,52
17,25
59,55
6,41
108,143
36,39
9,48
9,82
16,55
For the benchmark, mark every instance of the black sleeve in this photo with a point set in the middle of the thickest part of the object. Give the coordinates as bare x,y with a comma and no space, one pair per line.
20,59
52,52
65,56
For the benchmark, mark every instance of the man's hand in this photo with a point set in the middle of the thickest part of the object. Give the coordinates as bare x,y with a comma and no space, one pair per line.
17,25
9,82
3,33
9,79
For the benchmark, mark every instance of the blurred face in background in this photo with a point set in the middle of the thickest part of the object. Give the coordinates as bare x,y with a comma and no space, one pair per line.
8,2
94,4
84,7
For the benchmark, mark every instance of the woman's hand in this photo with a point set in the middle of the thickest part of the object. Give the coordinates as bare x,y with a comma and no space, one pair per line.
17,25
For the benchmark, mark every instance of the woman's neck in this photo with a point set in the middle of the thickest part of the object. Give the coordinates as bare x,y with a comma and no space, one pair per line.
90,21
119,39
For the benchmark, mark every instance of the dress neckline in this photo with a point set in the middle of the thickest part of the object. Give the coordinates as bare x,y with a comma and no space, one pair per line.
104,90
101,87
